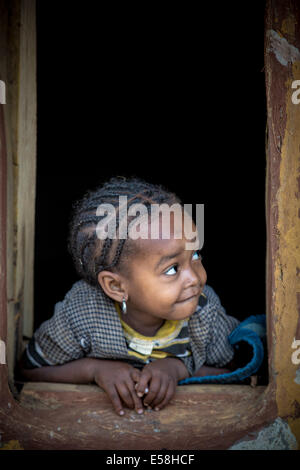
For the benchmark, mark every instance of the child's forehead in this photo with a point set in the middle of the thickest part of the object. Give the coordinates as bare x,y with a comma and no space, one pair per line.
167,226
157,248
162,237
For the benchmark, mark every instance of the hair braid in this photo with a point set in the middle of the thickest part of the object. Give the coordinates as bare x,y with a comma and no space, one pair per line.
92,255
100,264
118,253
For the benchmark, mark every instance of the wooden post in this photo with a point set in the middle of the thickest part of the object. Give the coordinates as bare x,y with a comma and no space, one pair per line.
26,161
282,67
18,72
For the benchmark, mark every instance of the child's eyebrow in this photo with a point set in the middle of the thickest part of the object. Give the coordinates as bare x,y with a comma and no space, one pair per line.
166,258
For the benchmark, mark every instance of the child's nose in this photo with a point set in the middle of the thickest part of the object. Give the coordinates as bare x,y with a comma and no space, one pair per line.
192,278
195,277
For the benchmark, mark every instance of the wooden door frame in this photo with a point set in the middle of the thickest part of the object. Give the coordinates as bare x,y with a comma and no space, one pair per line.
53,416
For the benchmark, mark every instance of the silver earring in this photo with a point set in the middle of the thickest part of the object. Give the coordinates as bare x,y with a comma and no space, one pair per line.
124,306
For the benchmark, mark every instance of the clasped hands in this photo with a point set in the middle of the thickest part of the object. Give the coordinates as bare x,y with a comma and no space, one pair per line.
153,386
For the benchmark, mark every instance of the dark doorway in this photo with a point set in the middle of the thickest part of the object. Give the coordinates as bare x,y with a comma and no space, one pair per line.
177,98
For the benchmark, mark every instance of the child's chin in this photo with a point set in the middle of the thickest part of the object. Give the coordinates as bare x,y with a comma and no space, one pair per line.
187,310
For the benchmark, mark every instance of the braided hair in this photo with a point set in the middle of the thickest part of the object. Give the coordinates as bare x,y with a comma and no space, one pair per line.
92,255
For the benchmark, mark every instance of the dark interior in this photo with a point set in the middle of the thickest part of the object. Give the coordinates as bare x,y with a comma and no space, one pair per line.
178,99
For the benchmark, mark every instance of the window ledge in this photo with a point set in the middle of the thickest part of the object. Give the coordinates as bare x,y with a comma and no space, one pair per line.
199,417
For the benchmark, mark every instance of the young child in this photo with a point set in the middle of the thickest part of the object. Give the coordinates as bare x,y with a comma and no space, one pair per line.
141,318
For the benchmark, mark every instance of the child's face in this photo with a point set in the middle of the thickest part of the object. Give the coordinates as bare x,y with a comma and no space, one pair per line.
165,280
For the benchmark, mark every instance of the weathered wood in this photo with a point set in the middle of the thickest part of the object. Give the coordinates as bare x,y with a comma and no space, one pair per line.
67,416
26,166
8,70
3,216
18,71
282,66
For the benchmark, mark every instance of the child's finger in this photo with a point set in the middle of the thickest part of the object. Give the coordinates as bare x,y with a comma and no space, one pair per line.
154,388
115,399
143,383
138,405
168,396
136,374
125,394
145,391
161,393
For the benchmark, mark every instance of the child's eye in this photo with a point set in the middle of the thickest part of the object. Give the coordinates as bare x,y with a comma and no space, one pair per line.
197,255
172,271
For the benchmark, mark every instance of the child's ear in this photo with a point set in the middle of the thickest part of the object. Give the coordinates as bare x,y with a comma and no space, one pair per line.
112,285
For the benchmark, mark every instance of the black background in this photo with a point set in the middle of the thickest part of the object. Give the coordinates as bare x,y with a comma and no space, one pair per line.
175,95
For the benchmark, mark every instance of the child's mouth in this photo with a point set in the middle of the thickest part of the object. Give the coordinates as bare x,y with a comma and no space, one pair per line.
190,298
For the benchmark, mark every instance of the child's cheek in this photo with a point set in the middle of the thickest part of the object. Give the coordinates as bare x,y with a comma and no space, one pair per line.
154,294
168,296
164,298
159,297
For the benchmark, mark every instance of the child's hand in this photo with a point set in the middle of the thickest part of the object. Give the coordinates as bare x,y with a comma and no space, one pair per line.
118,380
158,381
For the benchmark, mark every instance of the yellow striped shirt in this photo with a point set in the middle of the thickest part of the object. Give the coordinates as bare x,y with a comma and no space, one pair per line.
171,340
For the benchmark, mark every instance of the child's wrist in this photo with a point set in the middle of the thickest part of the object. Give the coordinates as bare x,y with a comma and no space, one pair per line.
93,369
180,369
183,372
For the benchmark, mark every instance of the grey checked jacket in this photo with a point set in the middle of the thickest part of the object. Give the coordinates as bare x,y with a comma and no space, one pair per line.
86,324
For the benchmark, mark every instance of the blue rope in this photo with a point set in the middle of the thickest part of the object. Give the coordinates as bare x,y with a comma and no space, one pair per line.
251,330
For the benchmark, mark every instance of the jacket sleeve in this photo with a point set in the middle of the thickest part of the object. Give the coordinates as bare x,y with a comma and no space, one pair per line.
55,341
218,349
189,363
209,328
